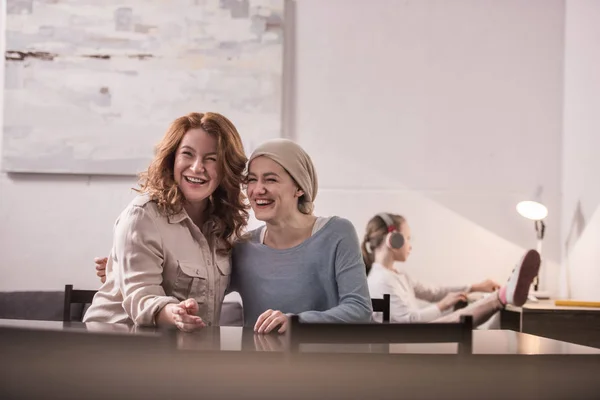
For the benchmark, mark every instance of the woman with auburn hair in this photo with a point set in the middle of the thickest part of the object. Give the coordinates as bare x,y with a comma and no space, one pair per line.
170,259
388,240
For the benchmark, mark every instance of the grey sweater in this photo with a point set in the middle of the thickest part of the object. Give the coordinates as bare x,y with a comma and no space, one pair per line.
322,279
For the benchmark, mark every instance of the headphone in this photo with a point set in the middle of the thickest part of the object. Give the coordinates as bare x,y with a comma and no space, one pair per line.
394,239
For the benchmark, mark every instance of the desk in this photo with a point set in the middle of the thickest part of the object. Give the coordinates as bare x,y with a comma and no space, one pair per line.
108,361
579,325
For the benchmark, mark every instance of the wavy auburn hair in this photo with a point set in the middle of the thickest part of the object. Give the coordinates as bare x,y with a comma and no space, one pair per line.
228,210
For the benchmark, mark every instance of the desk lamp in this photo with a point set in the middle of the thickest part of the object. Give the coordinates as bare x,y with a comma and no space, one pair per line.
535,211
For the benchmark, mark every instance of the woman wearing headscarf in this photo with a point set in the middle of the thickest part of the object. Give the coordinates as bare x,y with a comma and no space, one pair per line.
297,263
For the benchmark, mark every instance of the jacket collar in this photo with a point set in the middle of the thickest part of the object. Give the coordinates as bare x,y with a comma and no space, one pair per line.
179,217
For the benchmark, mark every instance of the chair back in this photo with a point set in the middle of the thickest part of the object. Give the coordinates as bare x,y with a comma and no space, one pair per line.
336,333
81,297
382,306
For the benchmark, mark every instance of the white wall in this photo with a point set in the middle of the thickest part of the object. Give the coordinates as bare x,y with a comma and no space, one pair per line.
448,112
432,109
581,146
51,226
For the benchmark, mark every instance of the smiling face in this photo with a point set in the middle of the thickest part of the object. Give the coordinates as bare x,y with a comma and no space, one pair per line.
196,170
272,192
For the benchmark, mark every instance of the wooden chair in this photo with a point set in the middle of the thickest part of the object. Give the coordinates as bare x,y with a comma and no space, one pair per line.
383,306
72,296
335,333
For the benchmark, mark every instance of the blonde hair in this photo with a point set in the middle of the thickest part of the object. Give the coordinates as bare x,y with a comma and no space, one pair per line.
228,210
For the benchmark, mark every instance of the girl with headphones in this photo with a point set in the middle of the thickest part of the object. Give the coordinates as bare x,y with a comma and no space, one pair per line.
388,240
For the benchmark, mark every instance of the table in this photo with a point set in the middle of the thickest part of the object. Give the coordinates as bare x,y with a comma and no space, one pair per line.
43,359
579,325
485,342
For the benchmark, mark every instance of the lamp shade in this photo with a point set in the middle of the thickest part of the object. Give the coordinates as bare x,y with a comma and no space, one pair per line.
532,210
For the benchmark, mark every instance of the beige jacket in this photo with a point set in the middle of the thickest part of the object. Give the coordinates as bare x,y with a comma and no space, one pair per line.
157,260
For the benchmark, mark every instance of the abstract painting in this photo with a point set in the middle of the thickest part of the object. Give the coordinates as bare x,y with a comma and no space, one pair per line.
91,86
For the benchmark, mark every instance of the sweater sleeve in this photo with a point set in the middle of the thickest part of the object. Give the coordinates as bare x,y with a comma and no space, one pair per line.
351,279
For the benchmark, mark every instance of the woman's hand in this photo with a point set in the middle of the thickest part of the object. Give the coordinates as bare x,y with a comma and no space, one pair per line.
101,268
485,286
182,315
270,320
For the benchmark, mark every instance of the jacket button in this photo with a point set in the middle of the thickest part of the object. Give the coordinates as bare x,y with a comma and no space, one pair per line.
197,272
